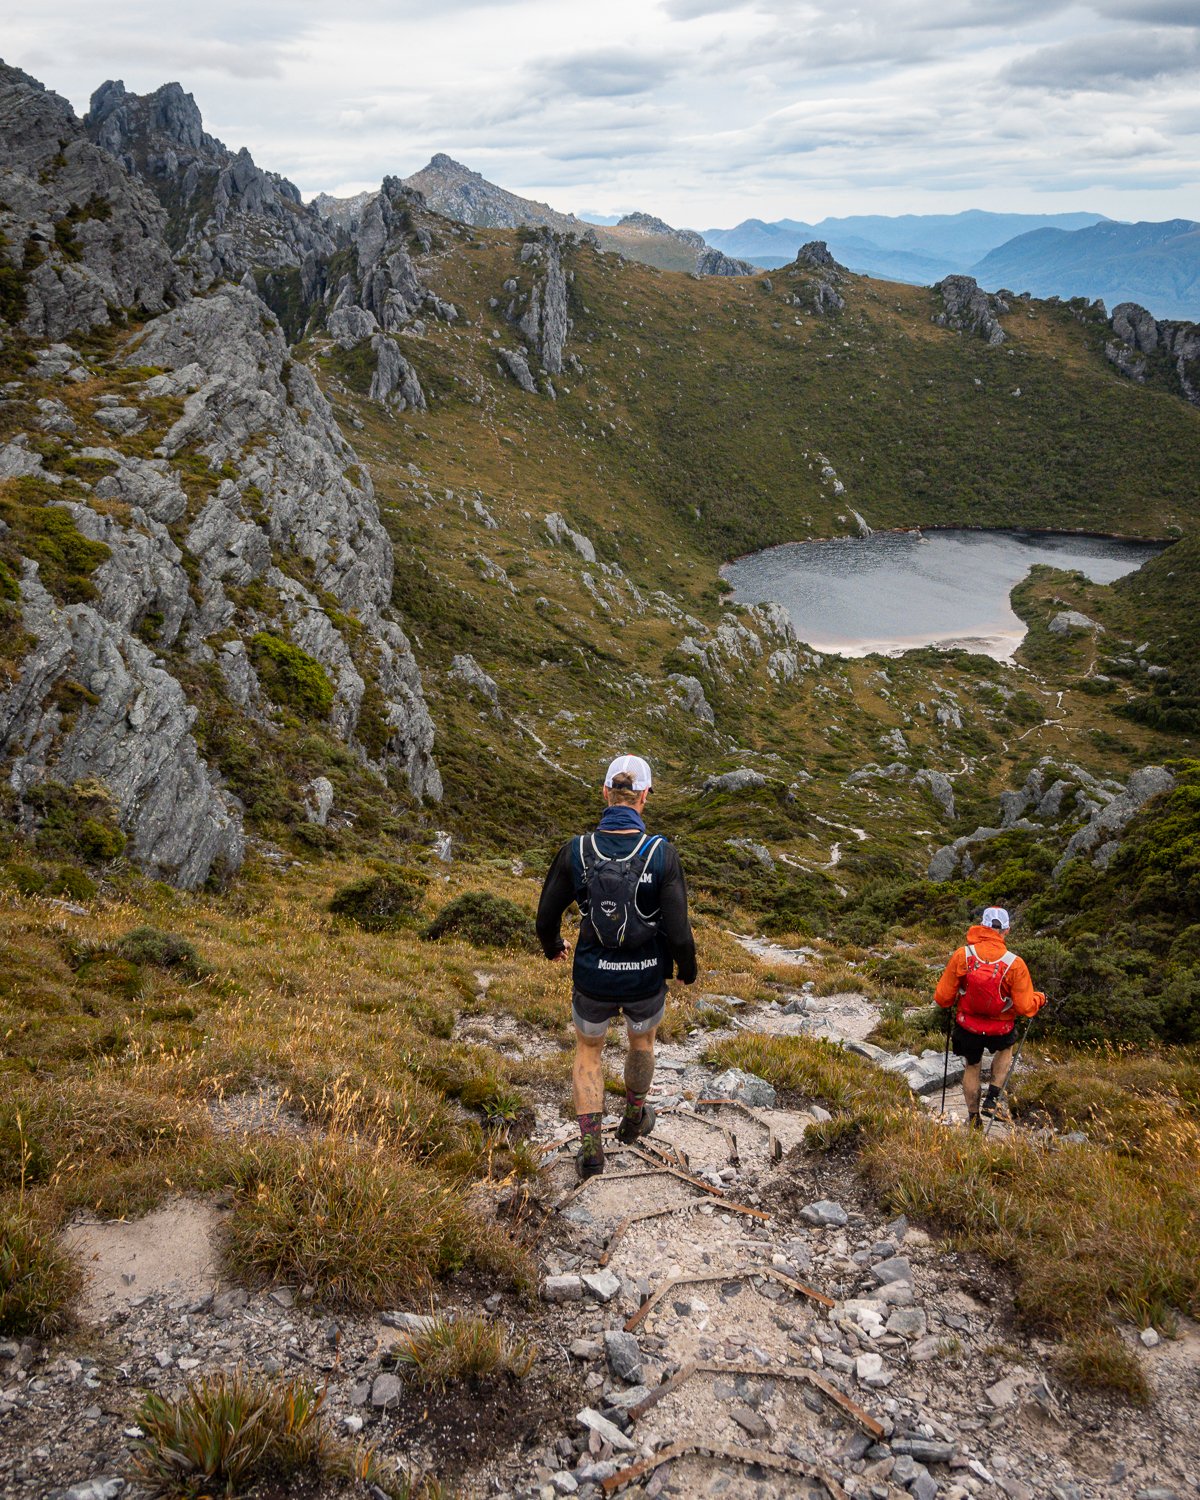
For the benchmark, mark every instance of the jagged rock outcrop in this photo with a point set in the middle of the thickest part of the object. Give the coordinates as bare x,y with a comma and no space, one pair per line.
1107,806
541,313
465,669
687,693
343,213
969,309
226,215
1138,335
816,253
820,296
566,536
459,193
395,381
940,788
300,492
710,262
134,736
1099,837
82,237
514,363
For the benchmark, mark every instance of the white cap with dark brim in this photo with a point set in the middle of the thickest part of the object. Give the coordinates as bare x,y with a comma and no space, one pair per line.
632,766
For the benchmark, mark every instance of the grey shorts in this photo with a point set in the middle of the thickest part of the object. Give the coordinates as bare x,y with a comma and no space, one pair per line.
592,1016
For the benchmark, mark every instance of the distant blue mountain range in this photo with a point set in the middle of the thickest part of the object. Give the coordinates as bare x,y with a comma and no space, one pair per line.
1157,265
921,248
1050,255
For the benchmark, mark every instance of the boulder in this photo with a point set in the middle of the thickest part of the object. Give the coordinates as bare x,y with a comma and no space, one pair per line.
735,781
746,1088
1069,620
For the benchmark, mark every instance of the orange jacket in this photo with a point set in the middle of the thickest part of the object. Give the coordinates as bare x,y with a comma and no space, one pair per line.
990,944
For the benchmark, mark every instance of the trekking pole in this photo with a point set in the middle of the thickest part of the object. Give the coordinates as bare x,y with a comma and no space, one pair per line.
946,1059
1029,1025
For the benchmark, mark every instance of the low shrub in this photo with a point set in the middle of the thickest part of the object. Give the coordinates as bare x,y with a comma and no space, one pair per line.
162,950
229,1432
486,921
291,677
467,1348
75,822
379,903
38,1279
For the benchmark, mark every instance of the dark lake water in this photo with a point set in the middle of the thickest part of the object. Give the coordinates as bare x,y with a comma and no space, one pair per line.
897,590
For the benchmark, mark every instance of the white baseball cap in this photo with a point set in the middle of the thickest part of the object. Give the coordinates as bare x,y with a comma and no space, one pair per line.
633,766
995,916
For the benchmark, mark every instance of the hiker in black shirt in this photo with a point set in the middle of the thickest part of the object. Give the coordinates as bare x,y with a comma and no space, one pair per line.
638,938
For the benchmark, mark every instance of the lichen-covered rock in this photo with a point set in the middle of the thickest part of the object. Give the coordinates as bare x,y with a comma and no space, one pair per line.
967,308
464,668
688,694
940,788
135,737
544,322
1137,335
1069,620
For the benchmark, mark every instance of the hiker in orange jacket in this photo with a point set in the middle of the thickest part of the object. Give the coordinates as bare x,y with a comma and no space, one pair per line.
989,988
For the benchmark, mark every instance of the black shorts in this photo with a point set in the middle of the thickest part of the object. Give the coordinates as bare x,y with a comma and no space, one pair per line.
971,1045
591,1016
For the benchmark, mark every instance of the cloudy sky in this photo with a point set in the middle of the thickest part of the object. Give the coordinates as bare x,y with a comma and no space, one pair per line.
704,111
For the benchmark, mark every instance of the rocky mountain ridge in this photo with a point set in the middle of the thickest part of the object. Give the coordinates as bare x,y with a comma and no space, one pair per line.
225,215
455,191
231,529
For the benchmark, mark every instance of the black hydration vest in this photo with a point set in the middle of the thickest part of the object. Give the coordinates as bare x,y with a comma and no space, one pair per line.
612,885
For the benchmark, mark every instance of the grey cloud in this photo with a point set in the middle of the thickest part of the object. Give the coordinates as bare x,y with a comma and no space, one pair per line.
693,10
611,72
1152,12
1107,62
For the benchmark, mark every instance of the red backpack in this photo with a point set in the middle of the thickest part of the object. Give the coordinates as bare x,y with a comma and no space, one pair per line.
982,1005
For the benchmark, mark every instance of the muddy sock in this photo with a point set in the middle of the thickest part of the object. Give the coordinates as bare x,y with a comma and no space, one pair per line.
639,1074
590,1126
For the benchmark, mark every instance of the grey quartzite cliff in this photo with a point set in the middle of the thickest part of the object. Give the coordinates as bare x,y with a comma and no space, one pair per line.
287,507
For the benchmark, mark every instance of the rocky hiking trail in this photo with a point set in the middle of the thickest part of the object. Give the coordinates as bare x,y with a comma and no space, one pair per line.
720,1313
751,1324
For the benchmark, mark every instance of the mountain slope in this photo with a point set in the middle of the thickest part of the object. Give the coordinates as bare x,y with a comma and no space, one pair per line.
1157,265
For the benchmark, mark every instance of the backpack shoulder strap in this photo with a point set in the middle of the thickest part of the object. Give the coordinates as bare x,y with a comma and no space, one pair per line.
969,950
1006,960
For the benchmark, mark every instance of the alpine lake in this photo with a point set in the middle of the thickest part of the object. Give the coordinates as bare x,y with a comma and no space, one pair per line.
894,591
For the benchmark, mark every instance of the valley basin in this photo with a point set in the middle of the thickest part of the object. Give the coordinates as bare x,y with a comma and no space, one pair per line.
895,591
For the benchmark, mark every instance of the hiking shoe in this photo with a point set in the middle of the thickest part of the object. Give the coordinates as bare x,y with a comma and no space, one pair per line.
629,1130
974,1122
995,1109
588,1166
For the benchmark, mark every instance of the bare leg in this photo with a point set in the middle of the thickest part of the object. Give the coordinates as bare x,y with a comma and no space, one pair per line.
639,1066
1001,1063
587,1076
971,1087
